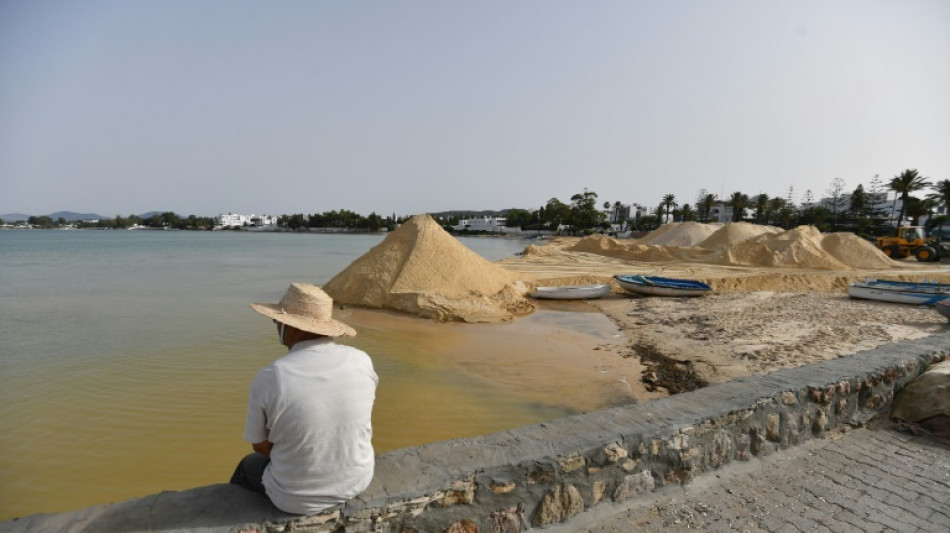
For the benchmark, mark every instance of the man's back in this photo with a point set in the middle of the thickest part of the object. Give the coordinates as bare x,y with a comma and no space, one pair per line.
315,404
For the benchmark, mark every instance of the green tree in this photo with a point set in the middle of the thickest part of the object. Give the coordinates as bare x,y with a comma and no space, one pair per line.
704,206
43,221
519,218
761,203
556,213
687,213
785,216
941,195
816,215
859,201
917,208
835,192
905,183
738,201
774,207
669,202
584,214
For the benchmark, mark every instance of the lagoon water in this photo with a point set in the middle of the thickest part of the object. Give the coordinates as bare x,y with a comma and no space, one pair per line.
125,358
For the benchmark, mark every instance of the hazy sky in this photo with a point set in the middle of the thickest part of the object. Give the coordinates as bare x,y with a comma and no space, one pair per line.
120,107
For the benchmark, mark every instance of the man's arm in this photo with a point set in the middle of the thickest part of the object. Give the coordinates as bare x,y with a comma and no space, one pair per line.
263,447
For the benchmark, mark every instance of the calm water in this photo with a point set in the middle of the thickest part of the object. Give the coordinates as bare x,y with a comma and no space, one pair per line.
125,358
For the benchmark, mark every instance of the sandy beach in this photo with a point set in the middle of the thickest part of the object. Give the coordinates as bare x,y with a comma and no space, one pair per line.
779,300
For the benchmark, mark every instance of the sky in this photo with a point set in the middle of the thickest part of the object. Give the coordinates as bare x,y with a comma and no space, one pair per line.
404,107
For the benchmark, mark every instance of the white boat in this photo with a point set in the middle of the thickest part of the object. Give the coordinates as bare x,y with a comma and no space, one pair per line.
657,286
573,292
900,292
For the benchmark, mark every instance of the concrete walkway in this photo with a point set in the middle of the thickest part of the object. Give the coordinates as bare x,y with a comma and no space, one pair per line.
868,479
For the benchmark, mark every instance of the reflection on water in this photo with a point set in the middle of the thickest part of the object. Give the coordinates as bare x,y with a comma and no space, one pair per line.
125,368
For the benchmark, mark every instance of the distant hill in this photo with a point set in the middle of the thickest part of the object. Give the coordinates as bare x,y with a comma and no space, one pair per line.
70,216
73,216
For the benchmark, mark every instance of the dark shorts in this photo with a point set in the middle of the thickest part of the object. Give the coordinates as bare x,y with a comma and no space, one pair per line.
250,472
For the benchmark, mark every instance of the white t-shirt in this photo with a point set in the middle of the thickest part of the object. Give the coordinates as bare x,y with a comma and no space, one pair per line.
315,405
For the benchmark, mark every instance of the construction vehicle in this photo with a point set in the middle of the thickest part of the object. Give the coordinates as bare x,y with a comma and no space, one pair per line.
910,240
940,237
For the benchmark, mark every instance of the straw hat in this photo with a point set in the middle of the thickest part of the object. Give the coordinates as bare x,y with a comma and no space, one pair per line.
306,307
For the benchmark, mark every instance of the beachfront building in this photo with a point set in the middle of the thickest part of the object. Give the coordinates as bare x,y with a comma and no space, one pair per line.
232,220
618,214
485,223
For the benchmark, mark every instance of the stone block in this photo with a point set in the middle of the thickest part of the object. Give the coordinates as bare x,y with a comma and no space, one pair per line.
559,505
634,484
461,492
510,520
572,462
773,427
614,452
463,526
820,422
597,490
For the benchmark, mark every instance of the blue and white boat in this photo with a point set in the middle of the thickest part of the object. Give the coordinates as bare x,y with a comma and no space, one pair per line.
657,286
900,292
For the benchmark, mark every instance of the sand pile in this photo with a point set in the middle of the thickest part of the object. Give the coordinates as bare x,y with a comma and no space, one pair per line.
798,247
733,233
421,269
741,244
855,251
603,245
679,234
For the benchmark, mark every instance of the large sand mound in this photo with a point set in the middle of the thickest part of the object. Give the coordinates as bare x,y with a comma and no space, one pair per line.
742,244
421,269
679,234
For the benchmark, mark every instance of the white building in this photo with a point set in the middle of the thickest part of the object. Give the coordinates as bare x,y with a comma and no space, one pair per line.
245,221
485,223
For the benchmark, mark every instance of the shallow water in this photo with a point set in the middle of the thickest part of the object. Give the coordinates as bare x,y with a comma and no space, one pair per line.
126,358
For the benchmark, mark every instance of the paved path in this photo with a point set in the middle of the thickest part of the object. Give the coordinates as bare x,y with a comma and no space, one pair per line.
865,480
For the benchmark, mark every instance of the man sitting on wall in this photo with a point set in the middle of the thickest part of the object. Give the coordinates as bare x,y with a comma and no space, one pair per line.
308,414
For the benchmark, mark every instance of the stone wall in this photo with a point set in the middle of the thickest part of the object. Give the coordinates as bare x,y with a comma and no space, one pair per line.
548,473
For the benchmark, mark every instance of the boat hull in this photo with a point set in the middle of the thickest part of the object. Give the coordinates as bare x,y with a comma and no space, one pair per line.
657,286
943,307
573,292
901,292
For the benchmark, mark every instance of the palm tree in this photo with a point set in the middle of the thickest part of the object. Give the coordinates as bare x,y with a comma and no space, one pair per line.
669,202
687,213
738,202
785,215
704,207
761,205
917,208
905,183
942,195
775,206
